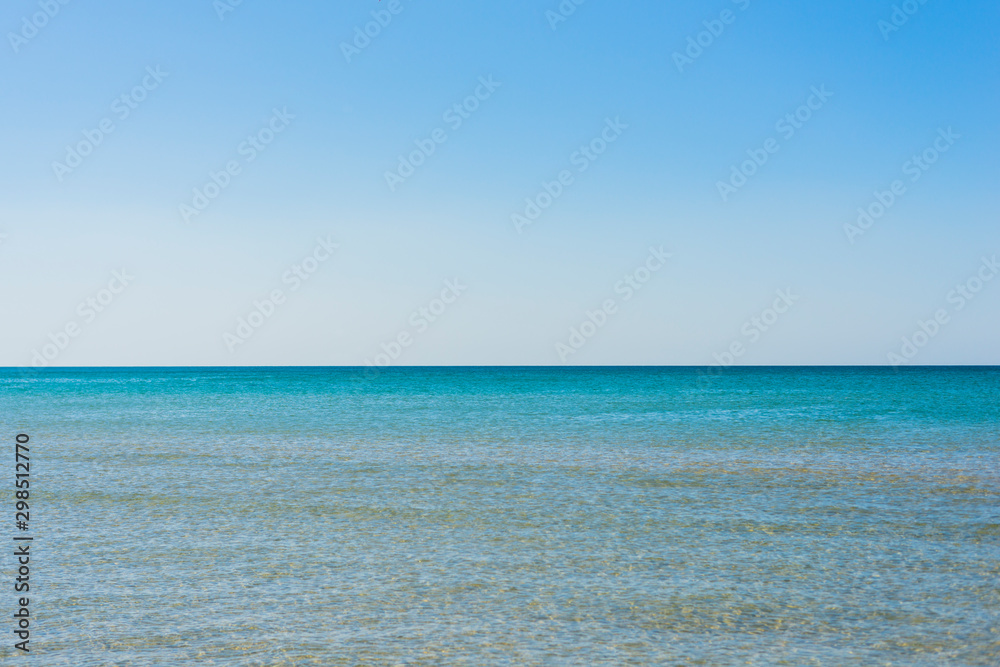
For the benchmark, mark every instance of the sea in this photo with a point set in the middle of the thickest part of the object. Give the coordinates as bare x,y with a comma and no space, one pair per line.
505,516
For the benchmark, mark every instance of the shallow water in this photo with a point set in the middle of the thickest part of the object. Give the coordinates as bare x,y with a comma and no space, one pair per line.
511,516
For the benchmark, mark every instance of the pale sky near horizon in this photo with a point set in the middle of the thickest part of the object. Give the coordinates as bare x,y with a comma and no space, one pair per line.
421,150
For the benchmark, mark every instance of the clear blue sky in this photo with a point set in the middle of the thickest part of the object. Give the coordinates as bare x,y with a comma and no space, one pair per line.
345,115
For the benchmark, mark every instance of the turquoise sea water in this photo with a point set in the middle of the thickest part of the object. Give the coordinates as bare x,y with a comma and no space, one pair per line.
509,516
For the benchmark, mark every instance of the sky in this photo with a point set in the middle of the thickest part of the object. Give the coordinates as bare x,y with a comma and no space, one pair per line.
529,182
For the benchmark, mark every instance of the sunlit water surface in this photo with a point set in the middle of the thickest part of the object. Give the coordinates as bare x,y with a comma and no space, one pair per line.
510,516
